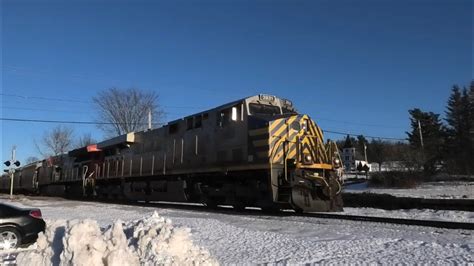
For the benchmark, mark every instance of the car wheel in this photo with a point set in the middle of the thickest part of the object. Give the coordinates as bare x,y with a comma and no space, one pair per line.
9,238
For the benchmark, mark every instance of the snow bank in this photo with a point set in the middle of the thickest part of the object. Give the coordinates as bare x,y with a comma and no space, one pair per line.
149,241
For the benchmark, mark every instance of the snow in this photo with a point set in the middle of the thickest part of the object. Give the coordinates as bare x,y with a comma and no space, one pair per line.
442,189
149,241
421,214
256,238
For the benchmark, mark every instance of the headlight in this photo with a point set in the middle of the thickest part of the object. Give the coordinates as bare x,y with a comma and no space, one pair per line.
308,158
336,161
305,125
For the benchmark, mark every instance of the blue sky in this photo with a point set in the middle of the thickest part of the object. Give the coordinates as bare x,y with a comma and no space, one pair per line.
354,66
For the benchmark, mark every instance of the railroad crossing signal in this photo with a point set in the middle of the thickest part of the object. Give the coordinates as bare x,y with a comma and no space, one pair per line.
11,162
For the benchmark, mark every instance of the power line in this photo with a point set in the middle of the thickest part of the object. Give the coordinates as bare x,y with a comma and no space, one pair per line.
66,111
366,136
82,101
43,110
195,107
69,122
43,98
46,73
171,107
77,77
356,123
109,123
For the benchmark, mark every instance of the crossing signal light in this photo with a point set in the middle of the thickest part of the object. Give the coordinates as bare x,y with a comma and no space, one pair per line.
8,163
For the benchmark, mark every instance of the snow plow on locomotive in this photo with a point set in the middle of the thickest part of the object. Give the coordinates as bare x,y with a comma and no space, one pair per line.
254,152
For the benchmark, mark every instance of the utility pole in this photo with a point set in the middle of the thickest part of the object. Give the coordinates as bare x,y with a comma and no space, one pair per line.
366,162
423,156
11,170
421,134
149,119
365,152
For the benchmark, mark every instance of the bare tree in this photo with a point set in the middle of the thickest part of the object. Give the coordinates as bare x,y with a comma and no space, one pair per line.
31,159
378,152
126,110
84,141
55,142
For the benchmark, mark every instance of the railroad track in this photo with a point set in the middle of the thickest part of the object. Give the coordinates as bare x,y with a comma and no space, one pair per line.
336,216
401,221
390,202
258,212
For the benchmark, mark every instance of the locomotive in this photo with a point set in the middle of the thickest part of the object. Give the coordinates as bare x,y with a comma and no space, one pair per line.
253,152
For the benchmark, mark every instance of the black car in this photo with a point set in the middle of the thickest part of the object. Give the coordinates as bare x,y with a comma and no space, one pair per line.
19,226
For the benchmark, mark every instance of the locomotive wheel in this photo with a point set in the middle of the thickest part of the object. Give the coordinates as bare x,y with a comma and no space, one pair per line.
239,206
298,210
210,203
271,209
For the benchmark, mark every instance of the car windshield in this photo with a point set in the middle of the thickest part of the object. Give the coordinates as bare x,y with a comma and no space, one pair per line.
263,109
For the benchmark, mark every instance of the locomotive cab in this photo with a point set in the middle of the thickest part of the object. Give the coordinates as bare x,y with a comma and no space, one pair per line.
303,169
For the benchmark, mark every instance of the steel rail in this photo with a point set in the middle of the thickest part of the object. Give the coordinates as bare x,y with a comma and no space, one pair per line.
256,212
387,220
335,216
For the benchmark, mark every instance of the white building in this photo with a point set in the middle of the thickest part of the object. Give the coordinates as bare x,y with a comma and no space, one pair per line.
349,157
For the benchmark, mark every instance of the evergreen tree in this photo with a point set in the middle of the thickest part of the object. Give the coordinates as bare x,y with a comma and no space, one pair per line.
458,143
361,143
471,114
433,133
348,143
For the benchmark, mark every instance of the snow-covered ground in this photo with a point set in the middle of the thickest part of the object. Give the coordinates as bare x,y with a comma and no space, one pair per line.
253,238
446,190
420,214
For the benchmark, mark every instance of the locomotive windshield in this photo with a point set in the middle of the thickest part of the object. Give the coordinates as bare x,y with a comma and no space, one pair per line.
263,109
287,110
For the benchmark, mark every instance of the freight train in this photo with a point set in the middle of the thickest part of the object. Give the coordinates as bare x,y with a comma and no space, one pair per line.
254,152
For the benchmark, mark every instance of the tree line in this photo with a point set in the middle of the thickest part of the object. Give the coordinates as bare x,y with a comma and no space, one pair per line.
434,144
118,111
377,150
446,144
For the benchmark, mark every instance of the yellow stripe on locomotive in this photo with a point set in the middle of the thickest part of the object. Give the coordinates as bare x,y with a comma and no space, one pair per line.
299,139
